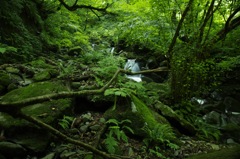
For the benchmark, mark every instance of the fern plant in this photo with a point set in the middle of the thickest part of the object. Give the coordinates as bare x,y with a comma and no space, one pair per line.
67,70
161,134
116,133
126,90
156,152
108,65
66,122
207,131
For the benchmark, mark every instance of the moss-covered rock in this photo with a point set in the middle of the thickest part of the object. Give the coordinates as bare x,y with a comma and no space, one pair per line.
48,112
42,76
228,153
12,70
139,114
5,80
40,63
176,121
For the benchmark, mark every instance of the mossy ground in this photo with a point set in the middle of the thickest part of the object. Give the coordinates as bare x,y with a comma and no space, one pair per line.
47,111
228,153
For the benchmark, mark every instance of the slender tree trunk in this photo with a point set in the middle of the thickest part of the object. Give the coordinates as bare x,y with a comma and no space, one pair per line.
174,88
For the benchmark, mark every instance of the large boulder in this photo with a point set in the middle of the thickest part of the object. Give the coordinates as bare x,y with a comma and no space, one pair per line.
227,153
26,134
138,113
176,120
5,80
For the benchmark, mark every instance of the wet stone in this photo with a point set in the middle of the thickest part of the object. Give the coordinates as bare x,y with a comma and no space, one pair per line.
95,127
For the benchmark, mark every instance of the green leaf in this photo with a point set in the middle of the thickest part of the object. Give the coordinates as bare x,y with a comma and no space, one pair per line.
110,143
125,121
109,92
88,157
123,136
114,127
129,129
68,118
3,50
120,93
112,121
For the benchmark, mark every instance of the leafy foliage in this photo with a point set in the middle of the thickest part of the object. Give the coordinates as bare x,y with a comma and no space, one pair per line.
192,77
6,48
66,122
66,70
163,135
116,133
207,131
107,66
19,30
228,63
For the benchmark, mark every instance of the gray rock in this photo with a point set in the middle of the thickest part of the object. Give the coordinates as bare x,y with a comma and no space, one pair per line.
102,120
87,117
230,141
95,127
84,128
25,133
213,118
231,104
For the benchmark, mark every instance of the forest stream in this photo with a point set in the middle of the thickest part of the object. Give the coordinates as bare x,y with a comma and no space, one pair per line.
109,79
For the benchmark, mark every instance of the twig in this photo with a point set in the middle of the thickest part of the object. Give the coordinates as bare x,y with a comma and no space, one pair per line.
65,137
8,107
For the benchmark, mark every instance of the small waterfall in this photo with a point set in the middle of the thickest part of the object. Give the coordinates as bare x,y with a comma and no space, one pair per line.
112,50
134,67
93,46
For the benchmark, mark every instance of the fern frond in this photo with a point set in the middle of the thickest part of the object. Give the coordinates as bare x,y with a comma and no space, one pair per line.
111,144
123,136
128,128
112,121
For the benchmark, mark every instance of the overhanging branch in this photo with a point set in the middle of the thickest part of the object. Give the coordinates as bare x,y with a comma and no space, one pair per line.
68,139
75,6
14,107
173,42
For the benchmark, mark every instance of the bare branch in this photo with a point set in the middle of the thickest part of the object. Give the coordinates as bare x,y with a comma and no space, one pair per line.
170,49
75,6
14,107
207,16
66,138
229,26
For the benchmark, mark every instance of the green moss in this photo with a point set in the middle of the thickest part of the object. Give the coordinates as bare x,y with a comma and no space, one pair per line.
178,120
140,118
5,80
228,153
146,113
33,90
48,112
162,90
12,70
40,63
7,121
42,76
